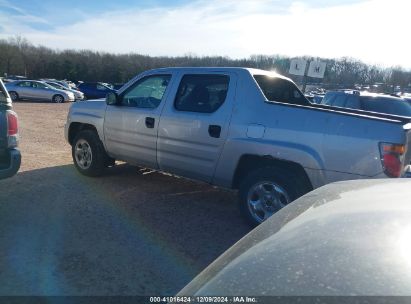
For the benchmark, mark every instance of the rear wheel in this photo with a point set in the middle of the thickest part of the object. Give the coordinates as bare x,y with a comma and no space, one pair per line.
14,96
58,98
89,155
265,191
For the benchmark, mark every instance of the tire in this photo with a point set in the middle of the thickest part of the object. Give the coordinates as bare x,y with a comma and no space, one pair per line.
14,96
57,98
87,141
265,191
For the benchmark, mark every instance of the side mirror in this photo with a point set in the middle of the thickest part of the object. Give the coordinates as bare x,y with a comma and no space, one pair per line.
112,99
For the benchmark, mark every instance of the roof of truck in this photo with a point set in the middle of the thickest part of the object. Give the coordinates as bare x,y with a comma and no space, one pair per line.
220,69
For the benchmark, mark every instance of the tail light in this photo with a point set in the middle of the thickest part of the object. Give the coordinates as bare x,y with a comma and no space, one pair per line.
392,157
12,129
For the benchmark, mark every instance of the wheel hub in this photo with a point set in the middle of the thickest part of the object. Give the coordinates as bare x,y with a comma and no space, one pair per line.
83,154
265,198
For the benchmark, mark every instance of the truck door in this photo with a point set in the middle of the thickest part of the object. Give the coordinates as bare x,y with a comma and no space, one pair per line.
130,127
194,124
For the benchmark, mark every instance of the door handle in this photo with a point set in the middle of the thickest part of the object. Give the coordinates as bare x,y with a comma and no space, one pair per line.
150,122
214,131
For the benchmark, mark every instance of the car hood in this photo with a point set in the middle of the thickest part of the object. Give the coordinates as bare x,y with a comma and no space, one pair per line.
346,238
94,108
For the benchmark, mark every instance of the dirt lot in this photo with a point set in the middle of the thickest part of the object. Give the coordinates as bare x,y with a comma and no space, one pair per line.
127,233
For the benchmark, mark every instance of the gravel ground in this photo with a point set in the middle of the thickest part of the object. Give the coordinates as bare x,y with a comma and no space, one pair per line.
127,233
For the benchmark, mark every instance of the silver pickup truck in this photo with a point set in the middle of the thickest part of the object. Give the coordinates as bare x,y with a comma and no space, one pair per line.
238,128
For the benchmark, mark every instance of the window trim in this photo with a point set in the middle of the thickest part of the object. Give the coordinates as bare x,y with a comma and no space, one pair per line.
133,85
227,76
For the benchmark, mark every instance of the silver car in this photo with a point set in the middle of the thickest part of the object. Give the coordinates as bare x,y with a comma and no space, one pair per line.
78,95
37,90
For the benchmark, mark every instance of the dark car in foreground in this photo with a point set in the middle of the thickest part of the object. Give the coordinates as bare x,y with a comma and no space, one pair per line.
10,157
349,238
371,102
94,89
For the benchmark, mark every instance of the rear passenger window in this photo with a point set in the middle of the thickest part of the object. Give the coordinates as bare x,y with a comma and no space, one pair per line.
280,90
201,93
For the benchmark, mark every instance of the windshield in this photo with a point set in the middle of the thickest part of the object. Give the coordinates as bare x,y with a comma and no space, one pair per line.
53,85
387,105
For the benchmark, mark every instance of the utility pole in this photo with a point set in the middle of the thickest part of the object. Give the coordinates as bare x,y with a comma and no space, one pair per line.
307,66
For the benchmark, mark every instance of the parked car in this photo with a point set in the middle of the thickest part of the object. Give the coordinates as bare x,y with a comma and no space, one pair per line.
109,85
37,90
78,95
314,98
368,102
406,96
263,137
65,83
342,239
10,157
118,86
94,90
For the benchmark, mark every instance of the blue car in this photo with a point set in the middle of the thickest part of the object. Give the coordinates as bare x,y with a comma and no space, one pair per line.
94,90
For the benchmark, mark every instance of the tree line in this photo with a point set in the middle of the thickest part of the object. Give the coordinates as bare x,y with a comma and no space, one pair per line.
20,57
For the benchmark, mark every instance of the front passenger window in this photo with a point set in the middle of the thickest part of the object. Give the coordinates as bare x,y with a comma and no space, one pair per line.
147,92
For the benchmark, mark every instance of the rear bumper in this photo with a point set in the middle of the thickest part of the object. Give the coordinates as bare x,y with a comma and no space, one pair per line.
13,164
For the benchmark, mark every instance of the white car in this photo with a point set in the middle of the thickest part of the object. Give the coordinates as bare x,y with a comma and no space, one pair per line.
77,94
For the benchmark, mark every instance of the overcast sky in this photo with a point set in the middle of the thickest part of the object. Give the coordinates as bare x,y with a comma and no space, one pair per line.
375,31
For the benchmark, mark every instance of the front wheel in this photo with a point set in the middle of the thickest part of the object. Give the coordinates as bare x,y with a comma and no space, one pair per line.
265,191
88,153
14,96
58,99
